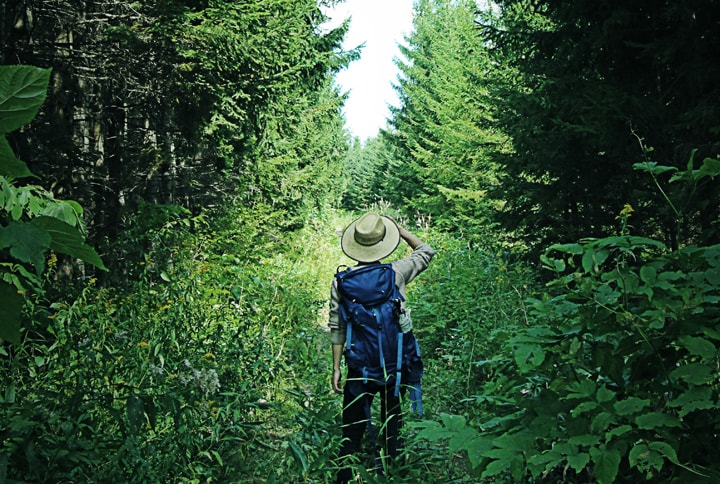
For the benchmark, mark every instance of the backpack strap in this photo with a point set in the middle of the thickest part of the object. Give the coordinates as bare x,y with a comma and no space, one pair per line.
399,364
380,344
416,399
416,391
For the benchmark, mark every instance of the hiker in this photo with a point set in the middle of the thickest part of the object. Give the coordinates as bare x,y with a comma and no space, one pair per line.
367,240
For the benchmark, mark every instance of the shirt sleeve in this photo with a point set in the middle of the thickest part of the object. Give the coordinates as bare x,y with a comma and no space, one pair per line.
409,267
337,333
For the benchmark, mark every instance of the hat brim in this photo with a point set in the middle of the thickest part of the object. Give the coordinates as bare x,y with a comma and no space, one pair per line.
370,253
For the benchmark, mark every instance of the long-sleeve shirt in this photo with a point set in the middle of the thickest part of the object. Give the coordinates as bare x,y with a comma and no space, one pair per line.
405,271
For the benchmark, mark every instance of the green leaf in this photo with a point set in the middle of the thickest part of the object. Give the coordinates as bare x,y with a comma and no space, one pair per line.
630,405
638,453
22,92
710,167
500,454
460,439
586,440
652,167
299,455
602,421
434,432
575,249
617,431
695,373
604,395
696,398
476,448
583,408
665,449
66,239
606,463
11,304
588,260
578,461
699,346
10,166
495,467
27,243
648,274
453,422
581,389
654,420
519,441
529,356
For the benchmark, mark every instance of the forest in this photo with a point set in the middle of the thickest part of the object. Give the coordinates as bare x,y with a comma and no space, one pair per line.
174,178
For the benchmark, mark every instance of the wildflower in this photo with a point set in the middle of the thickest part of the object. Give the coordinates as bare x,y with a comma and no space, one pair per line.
155,370
208,356
626,211
208,381
121,337
143,344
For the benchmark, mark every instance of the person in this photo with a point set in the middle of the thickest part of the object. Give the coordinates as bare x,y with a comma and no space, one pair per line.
367,240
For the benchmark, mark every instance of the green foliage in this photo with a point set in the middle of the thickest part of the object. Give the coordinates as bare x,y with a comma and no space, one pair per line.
614,379
207,360
684,193
586,85
32,222
437,160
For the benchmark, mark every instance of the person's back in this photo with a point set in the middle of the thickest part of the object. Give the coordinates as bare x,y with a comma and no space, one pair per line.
395,360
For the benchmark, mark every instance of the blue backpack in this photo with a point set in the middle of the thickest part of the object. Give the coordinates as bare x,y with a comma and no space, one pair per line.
376,347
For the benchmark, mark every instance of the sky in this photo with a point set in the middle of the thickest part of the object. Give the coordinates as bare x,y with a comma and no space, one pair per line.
380,25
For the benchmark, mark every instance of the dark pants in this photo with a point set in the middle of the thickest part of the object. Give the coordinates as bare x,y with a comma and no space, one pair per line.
357,400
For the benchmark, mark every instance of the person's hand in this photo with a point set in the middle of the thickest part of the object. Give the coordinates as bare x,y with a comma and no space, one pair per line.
336,378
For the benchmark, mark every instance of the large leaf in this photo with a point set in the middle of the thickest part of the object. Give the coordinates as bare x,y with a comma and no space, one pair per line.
10,166
11,304
66,239
27,243
22,92
607,461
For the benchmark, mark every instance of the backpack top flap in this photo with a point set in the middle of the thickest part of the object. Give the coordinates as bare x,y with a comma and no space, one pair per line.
369,285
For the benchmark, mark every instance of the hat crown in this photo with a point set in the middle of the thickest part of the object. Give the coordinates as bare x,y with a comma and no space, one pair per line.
369,230
370,238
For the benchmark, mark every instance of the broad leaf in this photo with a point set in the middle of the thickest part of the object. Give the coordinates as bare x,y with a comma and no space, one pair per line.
66,239
578,461
10,166
653,167
630,405
27,243
696,398
476,448
22,92
695,373
606,464
653,420
665,449
699,346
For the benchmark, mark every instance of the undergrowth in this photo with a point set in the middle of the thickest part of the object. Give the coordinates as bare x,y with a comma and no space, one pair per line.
214,365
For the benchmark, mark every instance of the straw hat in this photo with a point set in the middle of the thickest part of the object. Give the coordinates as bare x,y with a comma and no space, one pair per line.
370,238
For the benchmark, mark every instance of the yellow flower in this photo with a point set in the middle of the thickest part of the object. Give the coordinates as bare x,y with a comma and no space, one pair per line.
208,356
626,211
142,344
